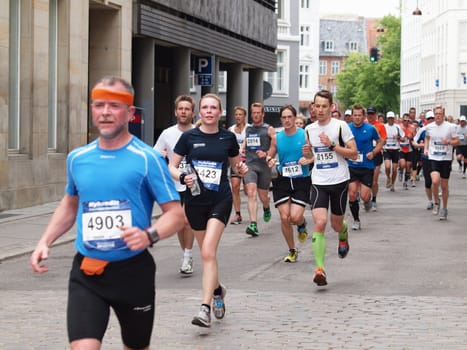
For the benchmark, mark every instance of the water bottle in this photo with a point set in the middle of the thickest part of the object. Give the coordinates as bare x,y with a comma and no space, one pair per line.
195,188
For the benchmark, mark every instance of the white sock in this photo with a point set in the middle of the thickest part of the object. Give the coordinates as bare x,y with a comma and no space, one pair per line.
187,253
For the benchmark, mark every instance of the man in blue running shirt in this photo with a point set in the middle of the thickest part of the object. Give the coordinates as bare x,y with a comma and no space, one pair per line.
112,184
362,168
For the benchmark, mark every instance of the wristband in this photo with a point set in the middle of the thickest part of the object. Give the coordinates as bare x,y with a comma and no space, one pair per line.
182,178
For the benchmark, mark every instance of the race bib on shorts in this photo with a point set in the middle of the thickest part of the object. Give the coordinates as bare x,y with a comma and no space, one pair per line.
101,222
325,158
209,173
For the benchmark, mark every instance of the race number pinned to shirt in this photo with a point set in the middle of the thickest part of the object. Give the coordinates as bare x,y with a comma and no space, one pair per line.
438,149
359,159
325,158
101,222
292,169
209,173
253,142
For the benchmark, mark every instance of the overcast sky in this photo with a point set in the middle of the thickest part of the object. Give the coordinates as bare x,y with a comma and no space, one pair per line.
365,8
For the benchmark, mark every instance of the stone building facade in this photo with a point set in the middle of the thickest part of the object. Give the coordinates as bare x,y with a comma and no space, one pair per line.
53,51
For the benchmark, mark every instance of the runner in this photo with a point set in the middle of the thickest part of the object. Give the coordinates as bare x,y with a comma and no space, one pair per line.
330,141
440,139
362,168
259,138
419,142
209,150
461,150
291,188
372,117
184,112
391,150
235,180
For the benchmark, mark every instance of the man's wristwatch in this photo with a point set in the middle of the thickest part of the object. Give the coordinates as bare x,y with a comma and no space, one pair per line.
153,236
332,146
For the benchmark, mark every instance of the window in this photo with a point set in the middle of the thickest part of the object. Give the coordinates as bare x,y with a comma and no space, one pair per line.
334,90
14,77
305,71
304,35
329,45
281,9
353,46
278,79
53,47
222,83
334,67
323,68
305,4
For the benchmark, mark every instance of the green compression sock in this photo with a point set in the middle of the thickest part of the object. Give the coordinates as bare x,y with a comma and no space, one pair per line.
318,245
343,233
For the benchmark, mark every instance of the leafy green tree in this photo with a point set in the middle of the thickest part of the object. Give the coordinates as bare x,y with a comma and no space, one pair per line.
374,83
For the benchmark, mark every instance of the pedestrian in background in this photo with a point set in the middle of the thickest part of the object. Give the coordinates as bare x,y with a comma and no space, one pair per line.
184,112
112,184
209,150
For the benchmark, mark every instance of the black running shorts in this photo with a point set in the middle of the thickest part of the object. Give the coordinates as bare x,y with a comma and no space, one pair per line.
127,286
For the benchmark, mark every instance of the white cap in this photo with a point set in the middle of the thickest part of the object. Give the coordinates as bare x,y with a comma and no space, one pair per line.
462,118
348,112
429,115
390,114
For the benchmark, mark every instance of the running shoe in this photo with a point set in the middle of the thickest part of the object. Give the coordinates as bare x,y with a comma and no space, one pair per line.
320,277
429,205
356,225
392,188
302,233
374,206
236,220
367,206
267,214
343,247
443,214
435,209
463,175
252,230
187,266
218,305
204,317
292,257
412,183
405,186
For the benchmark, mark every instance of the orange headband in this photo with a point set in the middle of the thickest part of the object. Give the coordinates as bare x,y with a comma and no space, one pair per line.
104,94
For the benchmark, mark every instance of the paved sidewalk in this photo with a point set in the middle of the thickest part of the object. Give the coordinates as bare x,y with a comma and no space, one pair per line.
20,229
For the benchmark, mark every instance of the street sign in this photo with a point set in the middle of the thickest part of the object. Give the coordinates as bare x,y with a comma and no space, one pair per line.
204,70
